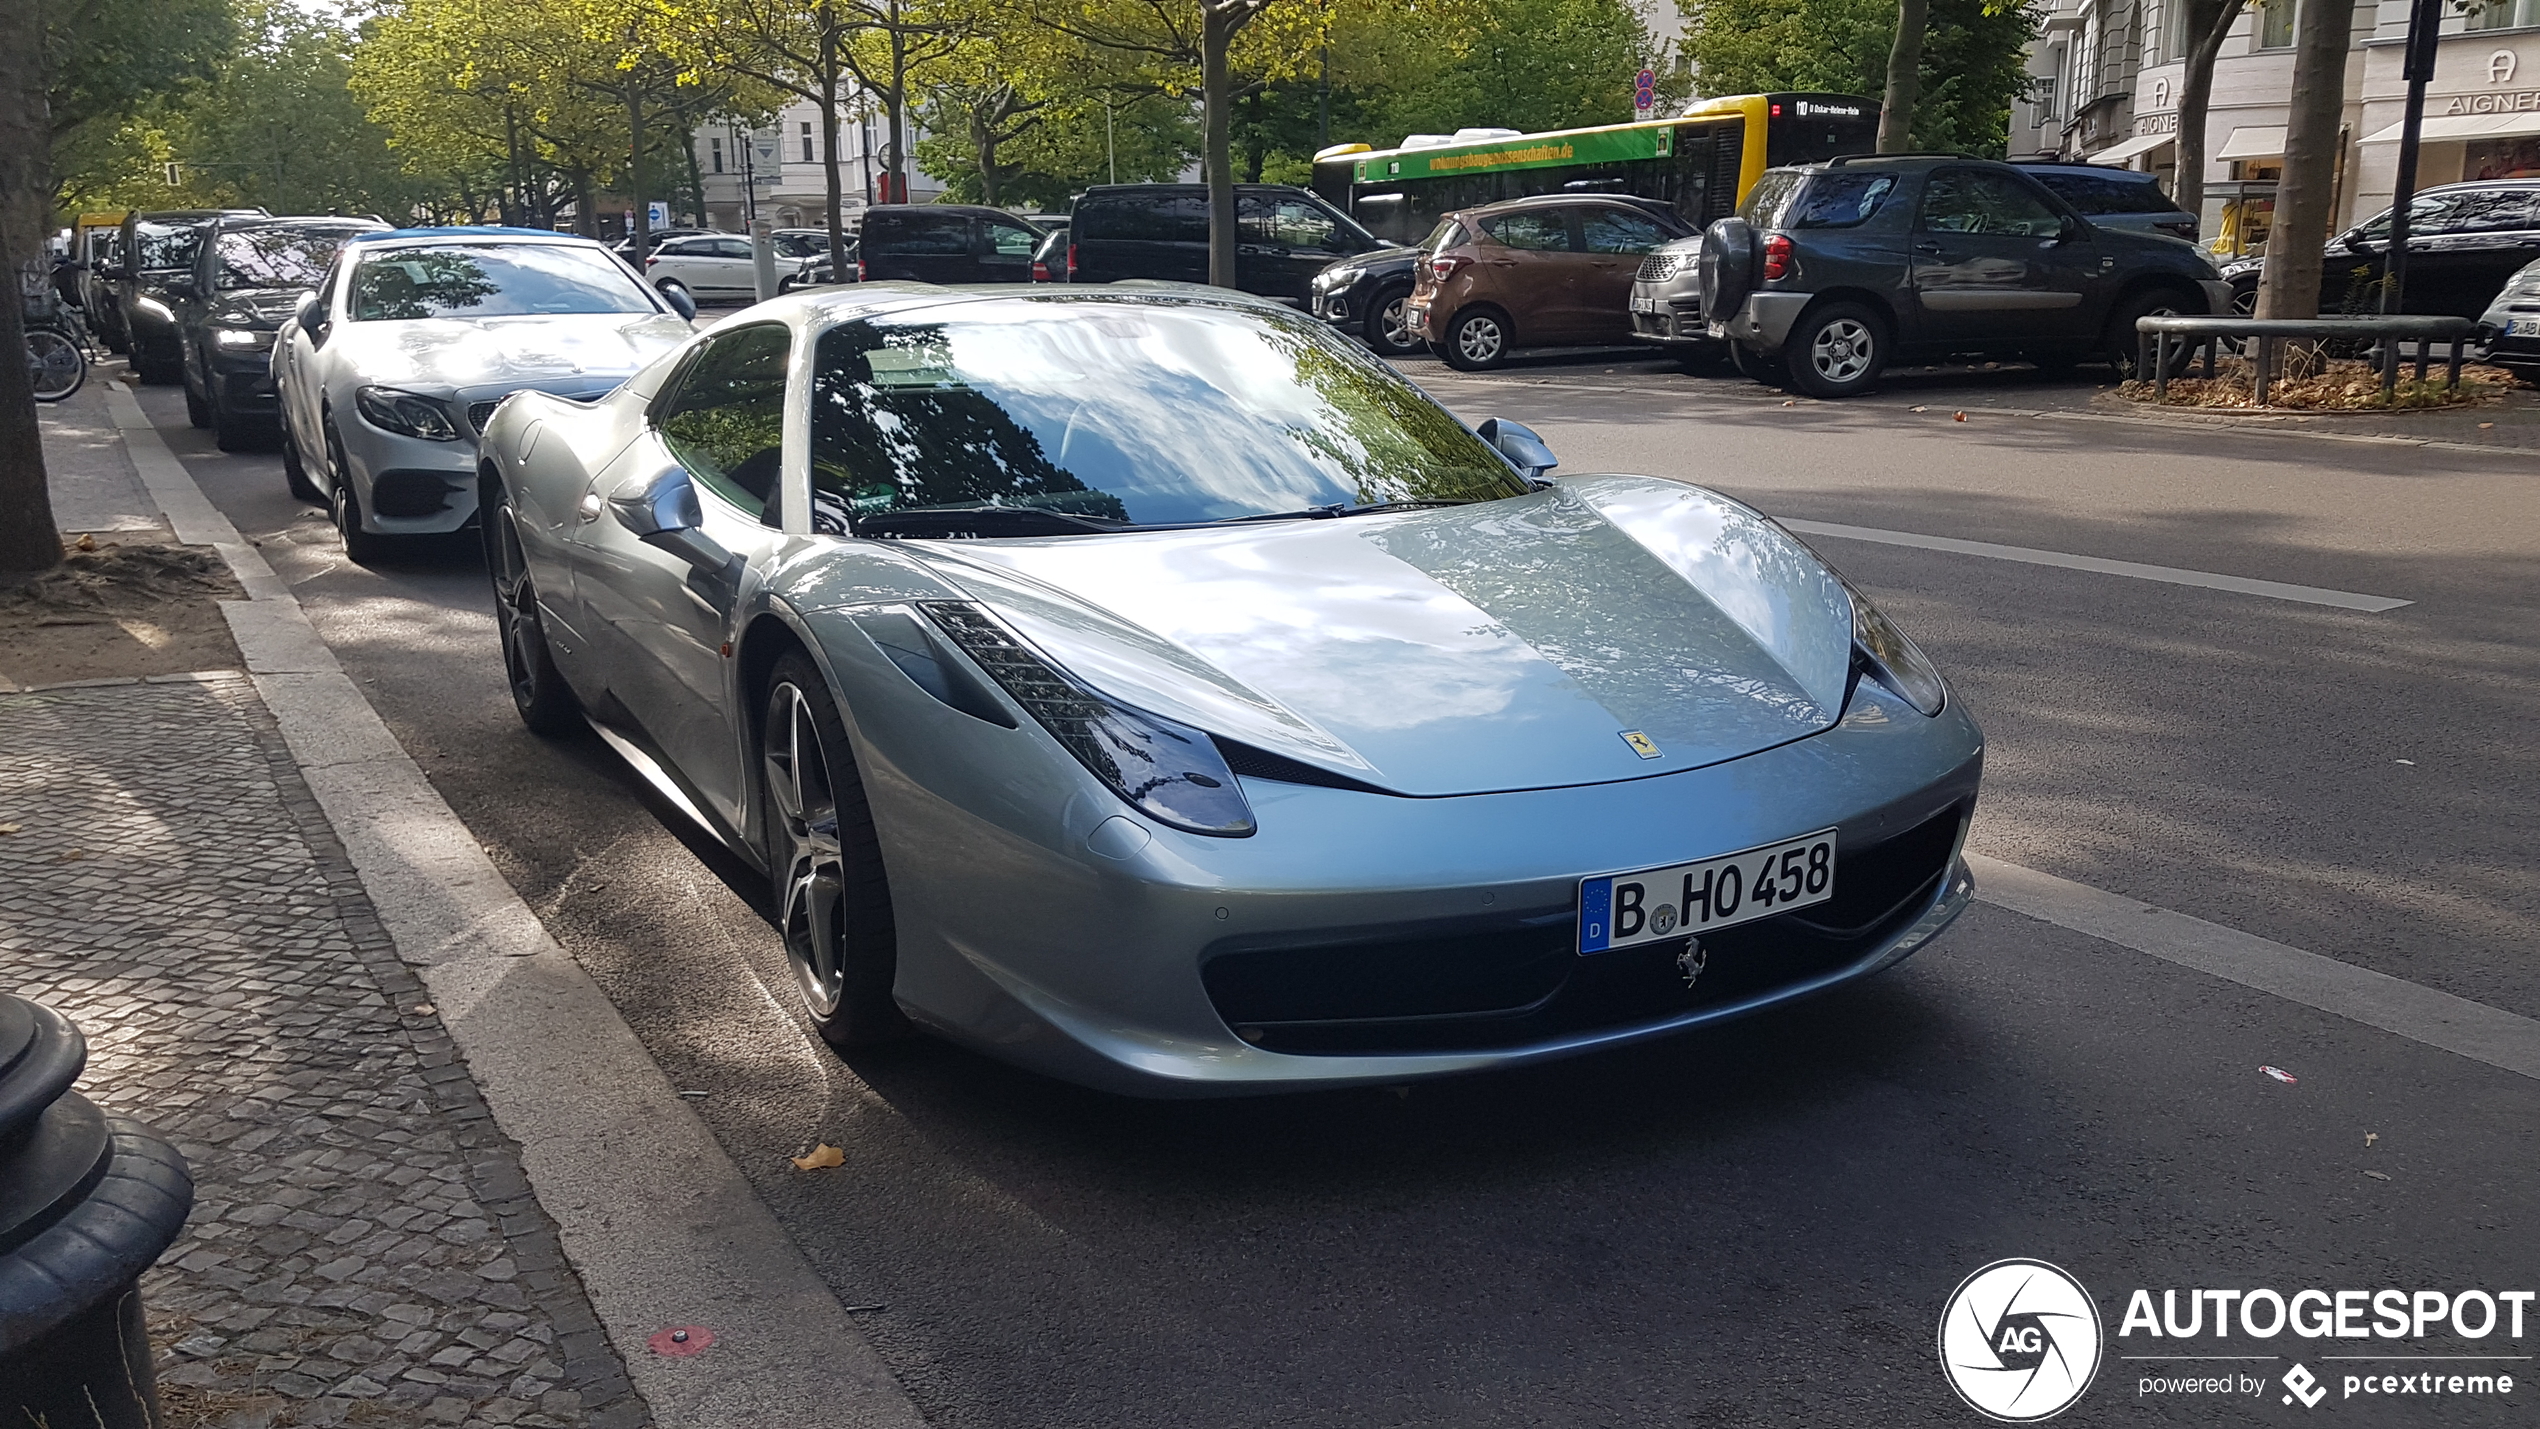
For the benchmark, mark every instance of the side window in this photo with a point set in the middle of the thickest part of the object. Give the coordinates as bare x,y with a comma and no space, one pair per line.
1980,201
1611,230
725,420
1286,223
2494,210
928,235
1543,230
1007,241
731,248
1840,198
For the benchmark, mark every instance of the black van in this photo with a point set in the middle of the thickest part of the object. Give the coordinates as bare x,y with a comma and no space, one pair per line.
153,276
1284,236
945,243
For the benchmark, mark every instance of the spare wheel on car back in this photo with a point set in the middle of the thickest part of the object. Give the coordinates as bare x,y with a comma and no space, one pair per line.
1728,266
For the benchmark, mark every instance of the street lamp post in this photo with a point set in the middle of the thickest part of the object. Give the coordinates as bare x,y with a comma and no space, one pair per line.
2425,19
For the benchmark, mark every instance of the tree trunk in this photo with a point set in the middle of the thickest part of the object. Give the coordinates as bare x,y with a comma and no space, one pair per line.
2289,287
1904,77
2195,99
1218,23
833,185
639,219
29,541
696,179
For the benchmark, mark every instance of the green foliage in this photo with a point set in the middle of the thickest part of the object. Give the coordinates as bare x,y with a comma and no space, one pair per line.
1152,138
1531,65
1972,63
107,59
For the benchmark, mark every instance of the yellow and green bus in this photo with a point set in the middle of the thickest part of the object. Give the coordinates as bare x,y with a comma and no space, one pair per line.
1701,162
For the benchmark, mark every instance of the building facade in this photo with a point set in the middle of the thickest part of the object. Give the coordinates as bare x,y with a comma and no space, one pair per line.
776,171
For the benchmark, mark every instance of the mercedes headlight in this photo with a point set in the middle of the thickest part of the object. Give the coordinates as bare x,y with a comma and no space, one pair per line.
1171,772
405,414
242,339
1887,656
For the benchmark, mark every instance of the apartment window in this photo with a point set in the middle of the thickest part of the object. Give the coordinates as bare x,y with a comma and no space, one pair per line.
2042,97
2275,25
2505,15
806,136
2169,38
714,151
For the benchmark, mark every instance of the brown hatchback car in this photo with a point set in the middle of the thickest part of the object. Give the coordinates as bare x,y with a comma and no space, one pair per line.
1554,270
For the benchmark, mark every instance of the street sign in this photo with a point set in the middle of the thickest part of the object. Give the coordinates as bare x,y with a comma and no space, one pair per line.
766,150
656,214
1644,94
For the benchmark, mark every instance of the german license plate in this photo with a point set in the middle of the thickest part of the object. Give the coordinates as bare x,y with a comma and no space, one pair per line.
1644,305
1624,910
2522,327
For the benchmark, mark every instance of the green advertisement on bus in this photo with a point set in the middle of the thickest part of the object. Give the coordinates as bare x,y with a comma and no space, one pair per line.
1542,151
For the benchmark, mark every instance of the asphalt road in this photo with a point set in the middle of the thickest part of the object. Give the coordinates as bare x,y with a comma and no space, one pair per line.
1757,1225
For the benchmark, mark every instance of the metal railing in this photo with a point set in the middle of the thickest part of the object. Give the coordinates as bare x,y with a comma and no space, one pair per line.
2161,340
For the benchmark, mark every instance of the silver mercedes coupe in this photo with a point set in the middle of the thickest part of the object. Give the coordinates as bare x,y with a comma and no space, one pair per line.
1145,686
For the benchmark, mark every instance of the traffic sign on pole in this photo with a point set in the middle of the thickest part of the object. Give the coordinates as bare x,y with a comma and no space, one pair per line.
1644,94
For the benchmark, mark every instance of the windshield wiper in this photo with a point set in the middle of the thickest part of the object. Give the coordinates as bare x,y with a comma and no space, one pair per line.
983,521
1335,510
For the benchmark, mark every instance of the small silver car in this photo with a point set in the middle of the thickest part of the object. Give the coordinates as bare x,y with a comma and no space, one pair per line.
390,369
1148,686
1666,302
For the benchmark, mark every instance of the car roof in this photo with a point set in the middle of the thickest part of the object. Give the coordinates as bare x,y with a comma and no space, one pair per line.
1633,202
509,235
887,298
241,223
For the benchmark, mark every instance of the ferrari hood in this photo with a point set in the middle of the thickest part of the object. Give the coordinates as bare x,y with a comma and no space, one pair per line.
1608,628
450,354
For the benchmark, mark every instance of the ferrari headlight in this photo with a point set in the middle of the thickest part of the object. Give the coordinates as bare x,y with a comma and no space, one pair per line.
242,339
405,414
1893,660
1171,772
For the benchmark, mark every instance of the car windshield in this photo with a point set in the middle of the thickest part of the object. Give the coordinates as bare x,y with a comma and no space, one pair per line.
492,281
167,246
1102,410
275,257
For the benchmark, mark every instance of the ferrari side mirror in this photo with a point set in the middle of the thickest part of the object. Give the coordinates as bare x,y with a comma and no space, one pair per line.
665,513
1519,444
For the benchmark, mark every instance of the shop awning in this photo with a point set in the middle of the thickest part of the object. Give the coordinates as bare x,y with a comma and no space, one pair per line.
2131,148
2466,126
2254,141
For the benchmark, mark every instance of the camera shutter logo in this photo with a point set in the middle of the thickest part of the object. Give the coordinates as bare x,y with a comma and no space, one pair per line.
2020,1341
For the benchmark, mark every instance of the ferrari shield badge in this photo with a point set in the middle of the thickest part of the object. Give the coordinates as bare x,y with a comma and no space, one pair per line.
1641,744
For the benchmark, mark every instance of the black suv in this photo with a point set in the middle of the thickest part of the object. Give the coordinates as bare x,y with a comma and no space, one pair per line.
943,243
1284,236
1832,270
248,276
156,253
2464,242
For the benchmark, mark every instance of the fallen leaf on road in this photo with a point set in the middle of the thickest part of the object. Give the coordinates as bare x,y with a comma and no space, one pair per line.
2371,1136
680,1341
72,855
87,543
425,1009
2486,426
8,828
822,1157
2280,1075
1918,409
1957,416
1792,402
2376,1176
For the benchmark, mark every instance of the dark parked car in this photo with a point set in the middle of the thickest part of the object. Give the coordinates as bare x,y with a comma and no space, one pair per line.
818,272
1552,270
2115,198
1371,292
157,251
1284,236
248,276
1833,270
945,243
2464,242
2510,328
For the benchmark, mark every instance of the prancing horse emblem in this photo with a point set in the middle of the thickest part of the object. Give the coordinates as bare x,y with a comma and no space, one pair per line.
1691,961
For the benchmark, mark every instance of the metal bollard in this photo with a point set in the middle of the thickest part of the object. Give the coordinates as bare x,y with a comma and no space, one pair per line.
2452,378
2160,368
2265,372
763,257
87,1202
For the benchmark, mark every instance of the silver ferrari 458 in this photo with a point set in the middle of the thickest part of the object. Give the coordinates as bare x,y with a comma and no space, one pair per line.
1143,685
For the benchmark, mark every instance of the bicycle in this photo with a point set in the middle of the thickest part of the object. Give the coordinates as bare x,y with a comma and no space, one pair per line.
56,356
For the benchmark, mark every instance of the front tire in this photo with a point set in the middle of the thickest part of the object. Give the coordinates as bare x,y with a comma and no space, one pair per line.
545,702
198,408
1837,351
2121,341
1386,328
361,547
1477,340
295,471
833,904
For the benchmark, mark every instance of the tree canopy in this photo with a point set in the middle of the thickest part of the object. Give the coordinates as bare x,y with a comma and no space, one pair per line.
1972,64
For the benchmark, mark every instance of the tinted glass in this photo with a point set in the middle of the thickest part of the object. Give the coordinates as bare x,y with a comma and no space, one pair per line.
2106,193
1606,230
1007,241
1986,202
509,280
2429,213
1838,198
1771,194
1123,409
919,235
726,423
273,257
1289,223
1161,217
799,245
2495,210
167,246
1544,230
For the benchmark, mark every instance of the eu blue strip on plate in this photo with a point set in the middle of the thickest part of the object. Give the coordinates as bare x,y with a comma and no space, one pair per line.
1596,903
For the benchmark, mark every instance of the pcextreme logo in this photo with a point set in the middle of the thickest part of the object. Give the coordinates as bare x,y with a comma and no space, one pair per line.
2020,1341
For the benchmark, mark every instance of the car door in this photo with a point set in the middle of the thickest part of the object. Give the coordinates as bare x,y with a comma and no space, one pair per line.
1282,241
926,247
1531,267
656,623
1616,239
296,373
734,266
1005,251
2487,238
1995,264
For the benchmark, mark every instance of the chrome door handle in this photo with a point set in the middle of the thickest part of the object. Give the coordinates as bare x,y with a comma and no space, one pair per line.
591,506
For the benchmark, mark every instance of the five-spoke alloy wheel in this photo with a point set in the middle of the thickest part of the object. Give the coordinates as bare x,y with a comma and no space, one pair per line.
1837,351
832,903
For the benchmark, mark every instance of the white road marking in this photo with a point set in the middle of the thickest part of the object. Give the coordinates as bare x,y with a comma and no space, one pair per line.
2504,1040
2172,575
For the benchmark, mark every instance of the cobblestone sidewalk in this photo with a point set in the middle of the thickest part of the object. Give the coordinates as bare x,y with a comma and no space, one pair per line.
364,1249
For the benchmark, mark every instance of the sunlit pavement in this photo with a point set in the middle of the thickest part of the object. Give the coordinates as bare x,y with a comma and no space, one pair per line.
1757,1225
